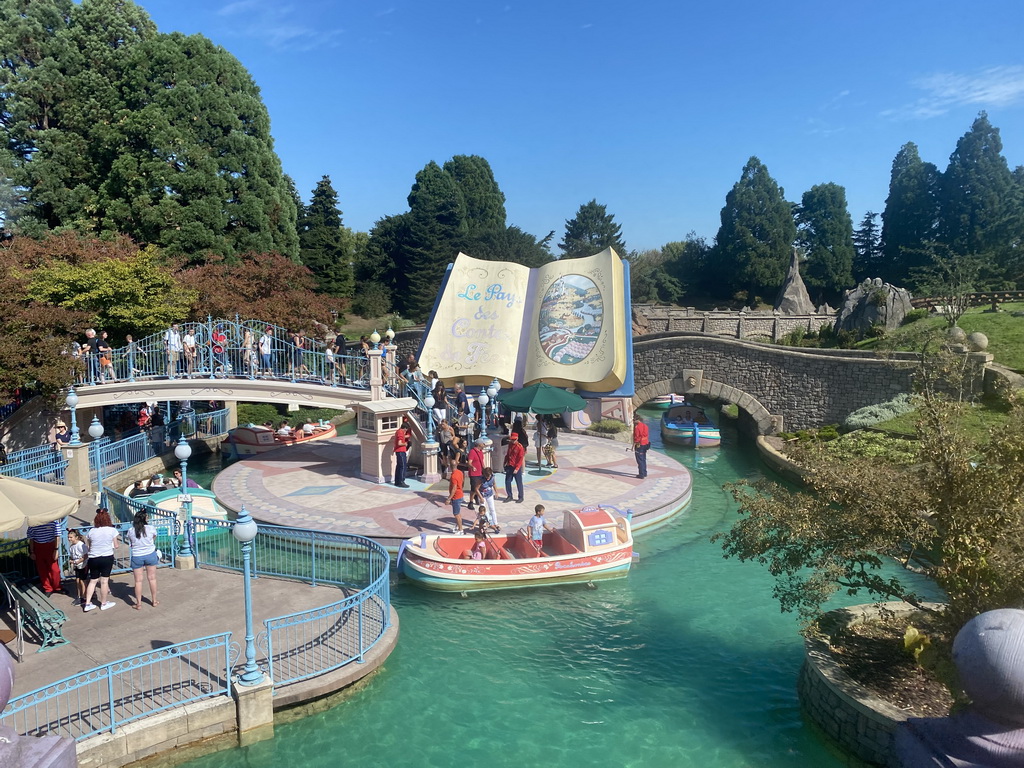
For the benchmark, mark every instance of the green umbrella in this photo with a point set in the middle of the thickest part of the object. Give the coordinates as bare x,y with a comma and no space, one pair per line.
541,398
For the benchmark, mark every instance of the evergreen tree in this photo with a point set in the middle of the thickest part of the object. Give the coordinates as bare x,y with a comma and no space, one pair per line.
825,231
689,262
511,244
755,239
910,218
591,231
980,204
323,243
481,202
867,243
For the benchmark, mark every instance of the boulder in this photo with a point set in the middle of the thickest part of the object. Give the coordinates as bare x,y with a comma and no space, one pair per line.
793,298
641,325
873,303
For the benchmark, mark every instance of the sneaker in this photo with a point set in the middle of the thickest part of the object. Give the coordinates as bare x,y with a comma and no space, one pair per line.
106,605
90,607
77,601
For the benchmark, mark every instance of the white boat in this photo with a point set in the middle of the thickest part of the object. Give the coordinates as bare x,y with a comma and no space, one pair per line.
251,439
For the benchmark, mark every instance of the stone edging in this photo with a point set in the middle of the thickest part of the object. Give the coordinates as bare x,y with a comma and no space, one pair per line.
850,714
778,462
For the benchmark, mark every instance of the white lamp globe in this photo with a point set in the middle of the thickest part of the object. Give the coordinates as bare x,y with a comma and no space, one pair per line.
95,429
72,398
375,337
389,334
429,401
245,529
182,450
482,399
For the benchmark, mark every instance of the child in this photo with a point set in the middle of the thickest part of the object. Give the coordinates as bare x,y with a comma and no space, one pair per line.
455,495
78,552
487,494
537,527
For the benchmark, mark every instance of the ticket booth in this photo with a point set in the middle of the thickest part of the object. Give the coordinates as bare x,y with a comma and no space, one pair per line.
376,422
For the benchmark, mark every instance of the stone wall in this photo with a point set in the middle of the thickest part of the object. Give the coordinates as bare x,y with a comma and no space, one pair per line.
735,324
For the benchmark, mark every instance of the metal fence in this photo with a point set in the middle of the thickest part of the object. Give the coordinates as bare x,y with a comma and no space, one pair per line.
101,699
44,463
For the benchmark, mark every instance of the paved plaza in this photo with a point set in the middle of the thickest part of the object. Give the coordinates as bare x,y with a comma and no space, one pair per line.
317,485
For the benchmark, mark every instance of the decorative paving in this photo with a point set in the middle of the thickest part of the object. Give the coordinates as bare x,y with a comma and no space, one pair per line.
318,486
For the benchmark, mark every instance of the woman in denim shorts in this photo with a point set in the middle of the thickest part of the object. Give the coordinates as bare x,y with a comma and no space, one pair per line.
142,538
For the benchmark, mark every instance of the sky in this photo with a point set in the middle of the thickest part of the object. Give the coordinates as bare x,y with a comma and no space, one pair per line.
651,107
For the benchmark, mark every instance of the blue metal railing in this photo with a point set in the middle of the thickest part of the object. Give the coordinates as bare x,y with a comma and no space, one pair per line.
101,699
230,348
44,463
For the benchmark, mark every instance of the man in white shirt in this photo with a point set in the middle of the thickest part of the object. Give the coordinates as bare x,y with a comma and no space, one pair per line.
267,350
188,342
173,345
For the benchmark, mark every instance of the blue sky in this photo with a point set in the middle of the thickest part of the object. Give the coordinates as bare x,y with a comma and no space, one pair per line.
652,107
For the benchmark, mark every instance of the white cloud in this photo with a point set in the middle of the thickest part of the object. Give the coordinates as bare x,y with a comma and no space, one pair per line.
279,26
996,86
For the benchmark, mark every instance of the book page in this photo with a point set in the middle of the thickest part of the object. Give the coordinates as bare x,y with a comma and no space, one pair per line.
475,332
577,325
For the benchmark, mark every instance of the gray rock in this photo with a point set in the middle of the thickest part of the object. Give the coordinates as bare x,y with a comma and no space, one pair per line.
957,335
873,303
977,341
793,298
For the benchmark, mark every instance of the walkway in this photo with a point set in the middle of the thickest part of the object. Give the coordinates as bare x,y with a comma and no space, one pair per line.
317,486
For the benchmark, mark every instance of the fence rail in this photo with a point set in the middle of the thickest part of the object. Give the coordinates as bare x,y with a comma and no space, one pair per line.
44,463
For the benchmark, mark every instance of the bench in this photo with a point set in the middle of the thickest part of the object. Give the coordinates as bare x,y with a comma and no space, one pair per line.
36,610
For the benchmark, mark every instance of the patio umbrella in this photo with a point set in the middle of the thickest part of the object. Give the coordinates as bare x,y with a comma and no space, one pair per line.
27,502
541,398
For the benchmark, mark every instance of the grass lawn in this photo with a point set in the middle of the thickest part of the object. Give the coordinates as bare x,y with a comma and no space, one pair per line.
978,419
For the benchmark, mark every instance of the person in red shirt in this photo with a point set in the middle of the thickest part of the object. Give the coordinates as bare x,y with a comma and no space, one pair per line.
476,472
515,460
401,453
455,494
641,444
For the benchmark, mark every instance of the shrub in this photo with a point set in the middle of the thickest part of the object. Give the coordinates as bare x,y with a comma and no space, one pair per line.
372,299
731,411
609,426
914,315
870,415
876,331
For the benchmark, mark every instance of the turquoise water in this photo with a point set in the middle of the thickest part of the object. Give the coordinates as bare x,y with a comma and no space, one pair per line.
687,662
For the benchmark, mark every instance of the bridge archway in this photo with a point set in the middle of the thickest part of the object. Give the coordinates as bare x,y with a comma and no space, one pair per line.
694,383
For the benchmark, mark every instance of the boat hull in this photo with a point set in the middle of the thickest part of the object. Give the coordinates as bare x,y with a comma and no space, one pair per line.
687,425
664,402
249,441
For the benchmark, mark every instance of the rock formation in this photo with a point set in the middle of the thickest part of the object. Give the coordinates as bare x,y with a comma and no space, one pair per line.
873,303
793,298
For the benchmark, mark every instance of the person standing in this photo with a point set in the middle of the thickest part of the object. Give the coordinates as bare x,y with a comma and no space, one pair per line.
267,350
402,454
538,524
78,554
103,540
142,539
641,444
191,350
461,401
515,459
456,493
540,439
91,353
476,471
173,347
487,493
44,549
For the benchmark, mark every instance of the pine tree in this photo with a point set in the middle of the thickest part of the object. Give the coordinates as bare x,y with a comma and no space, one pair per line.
323,242
481,202
867,243
826,233
755,239
910,218
591,231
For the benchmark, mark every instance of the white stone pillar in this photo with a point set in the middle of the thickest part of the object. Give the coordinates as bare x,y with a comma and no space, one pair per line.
376,374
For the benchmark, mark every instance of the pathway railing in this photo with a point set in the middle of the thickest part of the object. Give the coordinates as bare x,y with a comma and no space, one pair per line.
44,463
104,698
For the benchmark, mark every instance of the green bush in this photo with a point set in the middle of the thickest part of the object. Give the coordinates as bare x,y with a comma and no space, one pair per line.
874,445
870,415
372,299
914,315
258,413
731,411
609,426
876,331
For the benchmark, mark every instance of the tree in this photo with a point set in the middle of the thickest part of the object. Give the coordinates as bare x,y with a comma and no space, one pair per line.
689,262
910,218
980,204
481,202
511,244
649,280
867,243
591,231
949,279
954,498
755,239
826,233
323,242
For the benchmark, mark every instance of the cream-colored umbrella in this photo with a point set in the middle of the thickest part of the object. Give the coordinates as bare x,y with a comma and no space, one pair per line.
28,502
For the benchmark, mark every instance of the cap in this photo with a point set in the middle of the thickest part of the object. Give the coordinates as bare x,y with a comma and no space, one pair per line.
513,436
479,441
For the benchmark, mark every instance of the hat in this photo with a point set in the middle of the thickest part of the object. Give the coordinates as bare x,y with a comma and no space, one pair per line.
480,441
513,436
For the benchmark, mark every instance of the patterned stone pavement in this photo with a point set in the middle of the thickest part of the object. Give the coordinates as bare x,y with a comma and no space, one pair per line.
318,486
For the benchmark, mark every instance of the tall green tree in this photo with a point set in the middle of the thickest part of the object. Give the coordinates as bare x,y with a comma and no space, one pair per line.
511,244
590,231
323,243
825,231
649,281
755,239
481,201
867,244
911,215
689,262
981,209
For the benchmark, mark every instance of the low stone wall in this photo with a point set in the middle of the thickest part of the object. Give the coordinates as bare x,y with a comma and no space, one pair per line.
736,324
778,462
190,731
858,720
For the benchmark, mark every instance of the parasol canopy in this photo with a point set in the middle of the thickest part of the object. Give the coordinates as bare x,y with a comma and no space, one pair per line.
541,398
28,502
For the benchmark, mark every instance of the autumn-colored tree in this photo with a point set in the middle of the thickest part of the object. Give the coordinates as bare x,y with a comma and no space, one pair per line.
258,286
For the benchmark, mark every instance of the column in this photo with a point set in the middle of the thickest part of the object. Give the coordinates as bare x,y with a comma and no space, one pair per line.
376,374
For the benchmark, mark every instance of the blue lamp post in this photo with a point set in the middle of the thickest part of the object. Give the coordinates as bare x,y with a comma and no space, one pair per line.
492,392
482,401
96,432
429,403
183,451
244,530
72,402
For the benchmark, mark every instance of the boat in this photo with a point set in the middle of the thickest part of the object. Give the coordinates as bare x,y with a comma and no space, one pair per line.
687,424
146,493
204,503
594,543
251,439
663,402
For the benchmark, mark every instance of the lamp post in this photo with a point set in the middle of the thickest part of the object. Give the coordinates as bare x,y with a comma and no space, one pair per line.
482,401
72,403
389,335
183,451
96,432
244,530
429,403
492,392
375,338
